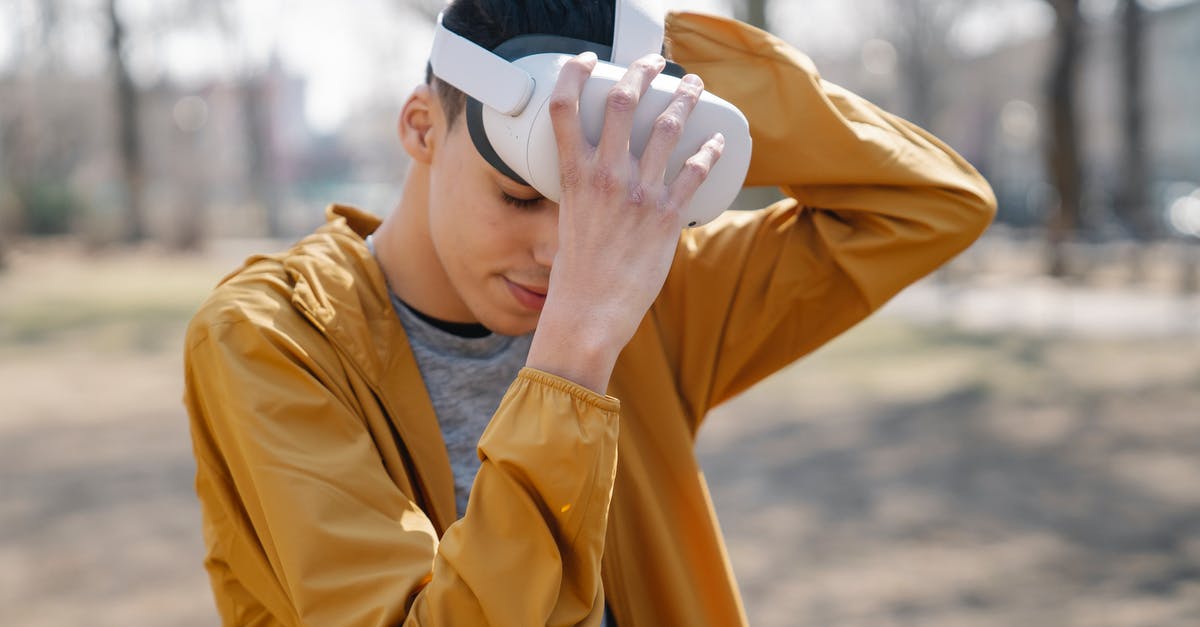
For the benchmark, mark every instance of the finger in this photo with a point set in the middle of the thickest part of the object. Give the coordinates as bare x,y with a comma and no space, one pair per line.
668,128
694,172
622,102
564,113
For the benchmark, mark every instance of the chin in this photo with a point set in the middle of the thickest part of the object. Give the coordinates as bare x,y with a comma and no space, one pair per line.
503,318
495,309
509,324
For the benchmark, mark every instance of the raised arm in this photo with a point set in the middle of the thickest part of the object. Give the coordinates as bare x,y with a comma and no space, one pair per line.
875,203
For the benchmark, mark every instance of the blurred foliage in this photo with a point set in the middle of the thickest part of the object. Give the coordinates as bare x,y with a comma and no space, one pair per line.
205,147
47,207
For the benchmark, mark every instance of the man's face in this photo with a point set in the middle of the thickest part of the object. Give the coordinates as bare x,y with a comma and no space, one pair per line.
497,254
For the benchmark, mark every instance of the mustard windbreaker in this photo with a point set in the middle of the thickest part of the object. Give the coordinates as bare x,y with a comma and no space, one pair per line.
325,486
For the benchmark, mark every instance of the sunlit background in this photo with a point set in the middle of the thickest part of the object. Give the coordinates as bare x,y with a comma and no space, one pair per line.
1015,440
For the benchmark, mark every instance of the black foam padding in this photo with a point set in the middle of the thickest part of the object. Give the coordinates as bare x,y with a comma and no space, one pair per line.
523,46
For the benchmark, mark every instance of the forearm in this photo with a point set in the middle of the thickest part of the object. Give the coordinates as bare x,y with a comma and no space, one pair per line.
528,549
884,172
880,201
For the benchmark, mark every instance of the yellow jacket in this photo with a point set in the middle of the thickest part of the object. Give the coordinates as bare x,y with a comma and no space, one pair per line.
300,384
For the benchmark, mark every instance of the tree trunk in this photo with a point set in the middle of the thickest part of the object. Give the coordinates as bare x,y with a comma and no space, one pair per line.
128,132
1063,145
921,36
1133,205
1189,278
754,12
256,114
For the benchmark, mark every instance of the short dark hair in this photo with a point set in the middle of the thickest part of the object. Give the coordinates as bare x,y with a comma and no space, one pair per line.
490,23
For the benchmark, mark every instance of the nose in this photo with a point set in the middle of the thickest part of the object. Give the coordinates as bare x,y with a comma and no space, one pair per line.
545,237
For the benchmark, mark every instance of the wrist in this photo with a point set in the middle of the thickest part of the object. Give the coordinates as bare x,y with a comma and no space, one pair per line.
577,348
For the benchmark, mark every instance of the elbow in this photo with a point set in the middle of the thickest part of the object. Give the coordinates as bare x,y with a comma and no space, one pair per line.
985,205
982,207
976,209
957,215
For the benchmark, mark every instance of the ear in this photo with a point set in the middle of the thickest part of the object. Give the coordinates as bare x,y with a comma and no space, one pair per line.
421,122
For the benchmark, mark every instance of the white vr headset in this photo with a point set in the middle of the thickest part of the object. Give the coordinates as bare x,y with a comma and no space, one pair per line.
508,89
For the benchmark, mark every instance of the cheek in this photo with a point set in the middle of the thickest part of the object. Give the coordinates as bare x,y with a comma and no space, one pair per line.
474,232
468,230
489,236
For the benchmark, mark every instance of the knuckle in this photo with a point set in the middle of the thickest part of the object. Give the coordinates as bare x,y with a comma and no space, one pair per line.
621,98
639,195
604,179
648,64
561,104
669,126
696,168
568,175
668,215
713,151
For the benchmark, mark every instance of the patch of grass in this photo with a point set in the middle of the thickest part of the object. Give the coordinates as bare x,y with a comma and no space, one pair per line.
130,300
42,322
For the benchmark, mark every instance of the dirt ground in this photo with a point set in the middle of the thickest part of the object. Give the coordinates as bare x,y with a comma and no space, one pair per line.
920,470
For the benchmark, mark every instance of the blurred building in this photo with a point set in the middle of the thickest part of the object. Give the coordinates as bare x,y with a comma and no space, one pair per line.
224,158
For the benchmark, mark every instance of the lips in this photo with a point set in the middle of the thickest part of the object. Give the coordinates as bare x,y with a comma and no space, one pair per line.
531,298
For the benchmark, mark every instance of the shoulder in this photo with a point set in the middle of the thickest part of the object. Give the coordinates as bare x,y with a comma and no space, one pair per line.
276,292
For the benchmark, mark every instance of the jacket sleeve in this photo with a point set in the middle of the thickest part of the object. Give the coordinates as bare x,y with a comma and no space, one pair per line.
305,526
875,203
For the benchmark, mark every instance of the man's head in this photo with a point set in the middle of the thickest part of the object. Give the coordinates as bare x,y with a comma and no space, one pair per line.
478,246
490,23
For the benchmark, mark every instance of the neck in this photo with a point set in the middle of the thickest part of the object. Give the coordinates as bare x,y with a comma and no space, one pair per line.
404,247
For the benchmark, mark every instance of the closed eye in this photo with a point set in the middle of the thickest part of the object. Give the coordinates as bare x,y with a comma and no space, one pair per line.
523,203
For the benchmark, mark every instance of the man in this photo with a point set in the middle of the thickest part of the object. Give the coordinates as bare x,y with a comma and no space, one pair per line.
482,410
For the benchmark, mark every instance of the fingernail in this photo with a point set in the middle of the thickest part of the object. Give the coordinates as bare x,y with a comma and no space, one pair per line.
659,61
693,80
587,56
719,138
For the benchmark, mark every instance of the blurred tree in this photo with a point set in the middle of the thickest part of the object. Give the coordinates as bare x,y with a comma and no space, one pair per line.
129,141
49,20
920,30
1133,202
1063,141
254,99
42,131
1189,280
754,12
427,9
254,94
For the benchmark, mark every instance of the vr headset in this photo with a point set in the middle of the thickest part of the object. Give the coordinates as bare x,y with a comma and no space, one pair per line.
509,121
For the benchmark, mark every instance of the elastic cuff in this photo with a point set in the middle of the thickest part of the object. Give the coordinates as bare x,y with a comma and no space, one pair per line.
602,402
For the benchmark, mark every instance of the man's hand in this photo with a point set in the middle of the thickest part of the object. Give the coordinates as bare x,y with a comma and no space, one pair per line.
618,222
